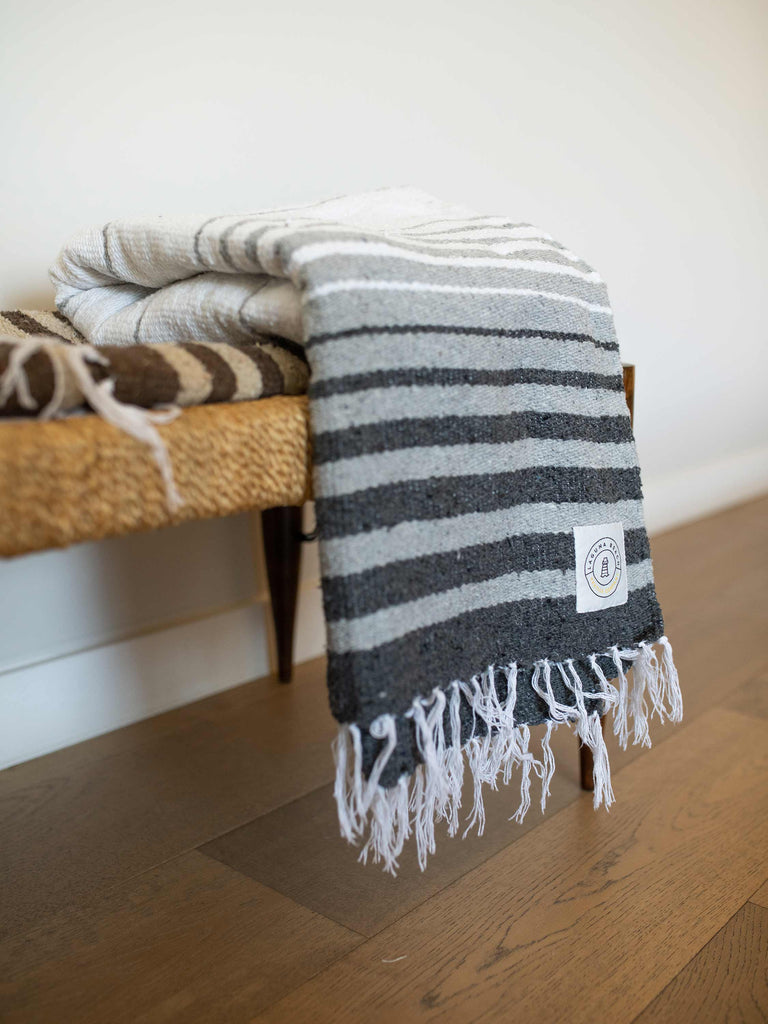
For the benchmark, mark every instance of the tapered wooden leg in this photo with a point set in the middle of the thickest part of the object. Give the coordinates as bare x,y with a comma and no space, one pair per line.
587,764
281,528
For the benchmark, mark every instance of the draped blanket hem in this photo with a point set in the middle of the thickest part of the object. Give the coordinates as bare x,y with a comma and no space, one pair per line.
493,743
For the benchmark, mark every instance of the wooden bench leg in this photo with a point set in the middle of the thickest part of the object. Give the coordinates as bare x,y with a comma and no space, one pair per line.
586,763
281,528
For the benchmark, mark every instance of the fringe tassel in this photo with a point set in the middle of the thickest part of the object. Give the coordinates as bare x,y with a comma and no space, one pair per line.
73,384
496,745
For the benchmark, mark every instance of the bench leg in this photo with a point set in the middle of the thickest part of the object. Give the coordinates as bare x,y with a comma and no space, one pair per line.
281,528
586,763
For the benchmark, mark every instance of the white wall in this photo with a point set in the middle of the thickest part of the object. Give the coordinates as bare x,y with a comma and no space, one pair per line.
634,132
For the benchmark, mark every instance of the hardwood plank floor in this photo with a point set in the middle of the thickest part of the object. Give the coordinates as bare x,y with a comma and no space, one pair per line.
727,981
586,910
190,940
761,896
186,868
296,850
72,824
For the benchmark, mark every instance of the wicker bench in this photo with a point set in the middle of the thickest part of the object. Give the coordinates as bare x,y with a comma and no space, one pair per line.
80,479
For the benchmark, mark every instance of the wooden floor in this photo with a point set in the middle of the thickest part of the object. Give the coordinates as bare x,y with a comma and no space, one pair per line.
188,868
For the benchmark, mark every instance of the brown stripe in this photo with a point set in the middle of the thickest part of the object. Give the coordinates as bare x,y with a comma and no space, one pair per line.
67,323
27,323
141,375
271,374
223,380
39,374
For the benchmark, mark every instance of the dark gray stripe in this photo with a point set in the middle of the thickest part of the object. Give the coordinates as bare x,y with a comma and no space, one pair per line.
442,375
345,597
460,647
328,446
377,507
294,347
371,330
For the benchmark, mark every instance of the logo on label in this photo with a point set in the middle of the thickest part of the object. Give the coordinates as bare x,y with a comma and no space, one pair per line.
602,567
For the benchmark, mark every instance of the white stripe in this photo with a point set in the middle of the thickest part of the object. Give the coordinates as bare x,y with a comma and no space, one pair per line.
381,627
499,248
273,235
468,232
361,285
467,222
380,405
360,472
248,379
321,250
370,549
196,382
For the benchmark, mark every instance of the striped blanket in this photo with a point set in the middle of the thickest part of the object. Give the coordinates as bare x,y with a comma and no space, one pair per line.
485,565
47,368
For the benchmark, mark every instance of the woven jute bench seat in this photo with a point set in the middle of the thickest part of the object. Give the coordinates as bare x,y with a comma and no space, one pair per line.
81,478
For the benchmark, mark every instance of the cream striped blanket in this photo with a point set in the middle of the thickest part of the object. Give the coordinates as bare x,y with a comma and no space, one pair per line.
485,563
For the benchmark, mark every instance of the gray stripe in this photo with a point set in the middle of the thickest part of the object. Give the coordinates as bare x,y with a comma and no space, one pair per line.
499,247
379,405
197,238
346,476
397,267
536,312
107,257
367,550
391,352
382,627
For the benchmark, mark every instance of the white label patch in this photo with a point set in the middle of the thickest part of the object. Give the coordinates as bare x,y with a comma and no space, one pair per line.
601,571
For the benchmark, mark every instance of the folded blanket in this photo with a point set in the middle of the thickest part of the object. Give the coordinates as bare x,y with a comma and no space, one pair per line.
43,360
485,564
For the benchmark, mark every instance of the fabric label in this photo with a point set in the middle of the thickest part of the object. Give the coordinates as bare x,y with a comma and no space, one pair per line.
601,572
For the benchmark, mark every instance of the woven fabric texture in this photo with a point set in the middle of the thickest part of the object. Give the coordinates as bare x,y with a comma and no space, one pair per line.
185,373
469,430
81,478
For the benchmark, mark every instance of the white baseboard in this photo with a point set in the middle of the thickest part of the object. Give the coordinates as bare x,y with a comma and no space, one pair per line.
674,499
55,703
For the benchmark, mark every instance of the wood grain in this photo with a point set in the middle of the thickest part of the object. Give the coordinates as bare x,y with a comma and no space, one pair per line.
188,941
752,696
72,825
583,917
726,982
761,896
297,850
586,918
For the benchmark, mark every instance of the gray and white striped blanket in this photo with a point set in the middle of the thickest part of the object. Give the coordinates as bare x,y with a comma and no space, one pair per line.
484,558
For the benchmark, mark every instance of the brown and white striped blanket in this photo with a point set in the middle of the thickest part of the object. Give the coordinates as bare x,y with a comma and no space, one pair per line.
41,353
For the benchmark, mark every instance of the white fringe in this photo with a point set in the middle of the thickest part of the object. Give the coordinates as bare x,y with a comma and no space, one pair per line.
70,370
495,746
